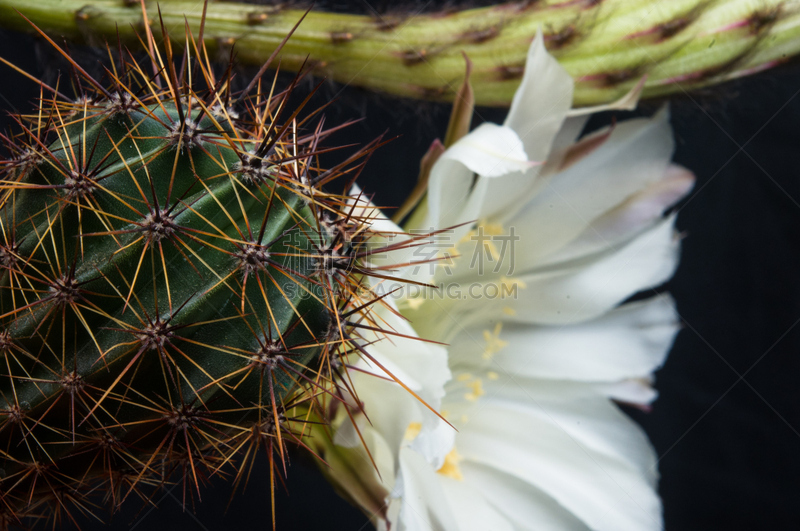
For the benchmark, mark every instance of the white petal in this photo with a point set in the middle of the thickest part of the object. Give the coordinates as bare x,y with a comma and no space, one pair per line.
628,102
526,506
583,291
629,342
567,136
589,290
423,365
389,411
542,101
449,186
424,506
490,150
637,391
636,213
537,113
420,366
504,194
471,509
605,492
435,444
635,155
591,420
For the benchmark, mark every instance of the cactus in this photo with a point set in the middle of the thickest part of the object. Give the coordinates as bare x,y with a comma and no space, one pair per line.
177,283
606,45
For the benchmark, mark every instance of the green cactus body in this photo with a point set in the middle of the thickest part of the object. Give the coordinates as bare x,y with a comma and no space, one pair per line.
607,46
171,276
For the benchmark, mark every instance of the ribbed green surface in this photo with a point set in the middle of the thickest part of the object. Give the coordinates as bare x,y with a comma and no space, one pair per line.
607,46
166,326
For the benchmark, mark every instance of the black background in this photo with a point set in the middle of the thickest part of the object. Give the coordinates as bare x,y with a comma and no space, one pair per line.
727,424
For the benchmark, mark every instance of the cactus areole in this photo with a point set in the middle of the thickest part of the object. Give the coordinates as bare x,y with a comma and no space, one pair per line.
173,272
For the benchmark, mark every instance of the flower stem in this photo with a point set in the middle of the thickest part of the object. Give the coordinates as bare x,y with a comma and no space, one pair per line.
606,45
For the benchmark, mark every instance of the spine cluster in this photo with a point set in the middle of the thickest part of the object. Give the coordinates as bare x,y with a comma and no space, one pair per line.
178,284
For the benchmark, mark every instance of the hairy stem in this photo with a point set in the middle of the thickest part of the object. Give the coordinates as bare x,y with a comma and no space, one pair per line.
606,45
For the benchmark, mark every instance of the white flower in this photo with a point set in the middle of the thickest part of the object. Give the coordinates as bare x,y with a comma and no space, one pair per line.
540,339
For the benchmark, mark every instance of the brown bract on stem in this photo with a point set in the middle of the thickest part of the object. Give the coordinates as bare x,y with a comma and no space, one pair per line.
605,45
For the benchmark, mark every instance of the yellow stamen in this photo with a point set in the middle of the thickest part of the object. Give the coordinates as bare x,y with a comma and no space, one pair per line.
510,284
468,236
493,342
412,431
477,390
493,229
450,466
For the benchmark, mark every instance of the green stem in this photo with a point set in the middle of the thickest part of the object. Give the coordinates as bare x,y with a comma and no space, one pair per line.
606,45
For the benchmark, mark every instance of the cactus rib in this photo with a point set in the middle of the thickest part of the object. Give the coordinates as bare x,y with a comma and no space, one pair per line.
606,45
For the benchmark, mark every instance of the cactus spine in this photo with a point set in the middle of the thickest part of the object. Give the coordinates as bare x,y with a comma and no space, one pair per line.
606,45
175,284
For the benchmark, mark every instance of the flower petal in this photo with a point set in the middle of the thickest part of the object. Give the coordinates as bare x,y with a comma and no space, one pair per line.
523,504
449,187
542,101
592,421
580,292
537,113
635,392
629,342
421,366
435,444
490,150
424,506
605,492
634,156
588,290
635,214
471,510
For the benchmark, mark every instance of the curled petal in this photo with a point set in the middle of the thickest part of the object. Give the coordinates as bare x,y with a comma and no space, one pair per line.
542,101
491,150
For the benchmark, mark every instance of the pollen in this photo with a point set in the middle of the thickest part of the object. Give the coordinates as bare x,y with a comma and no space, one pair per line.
476,390
450,467
493,229
412,431
511,285
493,342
